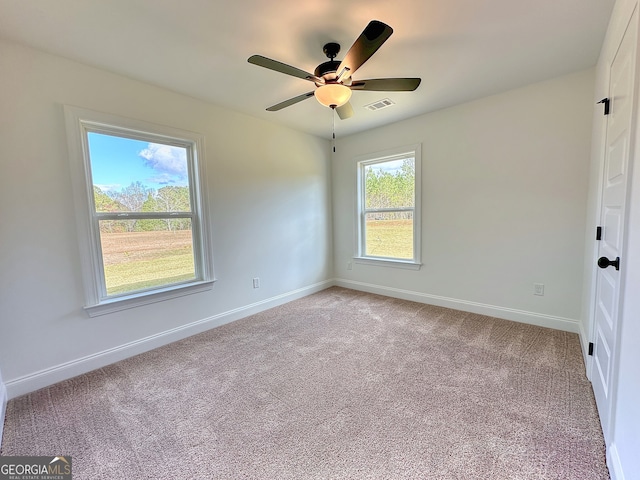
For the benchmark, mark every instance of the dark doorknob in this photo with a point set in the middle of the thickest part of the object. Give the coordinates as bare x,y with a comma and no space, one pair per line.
604,262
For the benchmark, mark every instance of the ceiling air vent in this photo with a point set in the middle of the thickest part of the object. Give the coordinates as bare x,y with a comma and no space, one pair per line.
380,104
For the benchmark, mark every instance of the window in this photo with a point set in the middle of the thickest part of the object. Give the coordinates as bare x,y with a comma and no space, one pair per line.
389,208
140,210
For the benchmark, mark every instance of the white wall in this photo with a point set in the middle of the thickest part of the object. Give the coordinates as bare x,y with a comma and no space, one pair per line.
269,202
3,406
504,192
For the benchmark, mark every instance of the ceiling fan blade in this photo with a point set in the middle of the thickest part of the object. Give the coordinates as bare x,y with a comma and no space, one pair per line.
283,68
345,111
369,41
288,103
387,84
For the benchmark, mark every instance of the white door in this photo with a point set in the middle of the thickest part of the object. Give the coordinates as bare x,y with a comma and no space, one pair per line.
612,221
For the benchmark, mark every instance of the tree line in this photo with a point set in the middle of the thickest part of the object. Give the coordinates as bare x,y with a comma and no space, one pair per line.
384,189
139,198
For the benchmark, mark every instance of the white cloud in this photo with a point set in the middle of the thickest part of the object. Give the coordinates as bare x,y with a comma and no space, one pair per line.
113,187
170,162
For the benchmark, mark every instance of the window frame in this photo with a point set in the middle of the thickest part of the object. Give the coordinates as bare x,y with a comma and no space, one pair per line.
399,153
80,122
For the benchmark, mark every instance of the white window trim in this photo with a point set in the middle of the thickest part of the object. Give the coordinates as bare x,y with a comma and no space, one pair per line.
377,157
78,122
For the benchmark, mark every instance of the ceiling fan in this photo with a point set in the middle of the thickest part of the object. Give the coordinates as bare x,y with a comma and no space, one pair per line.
333,79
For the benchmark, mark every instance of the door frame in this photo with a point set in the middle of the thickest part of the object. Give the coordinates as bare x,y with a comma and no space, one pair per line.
617,29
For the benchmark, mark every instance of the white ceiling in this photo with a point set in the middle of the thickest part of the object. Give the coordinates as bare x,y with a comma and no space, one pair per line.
462,49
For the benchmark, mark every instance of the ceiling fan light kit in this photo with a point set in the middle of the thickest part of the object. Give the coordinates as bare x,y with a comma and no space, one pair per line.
333,95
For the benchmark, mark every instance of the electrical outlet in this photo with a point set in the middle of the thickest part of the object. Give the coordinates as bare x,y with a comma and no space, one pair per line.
256,282
538,289
349,265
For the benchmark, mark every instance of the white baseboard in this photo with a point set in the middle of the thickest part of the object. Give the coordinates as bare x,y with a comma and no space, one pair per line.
614,464
3,406
522,316
44,378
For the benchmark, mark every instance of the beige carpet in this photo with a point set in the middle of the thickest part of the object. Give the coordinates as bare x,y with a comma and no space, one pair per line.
340,384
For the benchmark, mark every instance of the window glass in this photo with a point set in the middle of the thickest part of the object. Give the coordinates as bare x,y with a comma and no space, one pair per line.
146,255
390,184
389,234
140,188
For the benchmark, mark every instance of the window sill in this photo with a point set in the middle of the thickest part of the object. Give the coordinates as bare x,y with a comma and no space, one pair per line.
131,301
388,262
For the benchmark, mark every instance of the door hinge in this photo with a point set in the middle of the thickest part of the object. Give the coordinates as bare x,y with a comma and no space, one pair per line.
591,348
598,233
606,105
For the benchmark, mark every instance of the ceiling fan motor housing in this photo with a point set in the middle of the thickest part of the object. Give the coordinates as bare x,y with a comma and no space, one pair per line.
327,70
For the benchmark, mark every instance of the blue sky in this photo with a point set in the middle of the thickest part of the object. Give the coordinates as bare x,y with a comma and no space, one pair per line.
116,162
391,167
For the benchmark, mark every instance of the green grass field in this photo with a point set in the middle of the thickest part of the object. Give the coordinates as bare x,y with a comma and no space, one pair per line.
390,238
139,260
169,268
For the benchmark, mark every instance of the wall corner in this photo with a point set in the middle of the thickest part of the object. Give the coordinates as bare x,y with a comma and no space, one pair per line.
3,406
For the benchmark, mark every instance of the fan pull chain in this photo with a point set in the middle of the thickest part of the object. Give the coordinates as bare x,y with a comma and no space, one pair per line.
333,118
